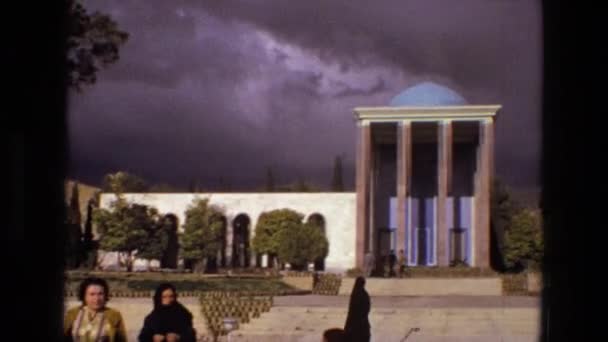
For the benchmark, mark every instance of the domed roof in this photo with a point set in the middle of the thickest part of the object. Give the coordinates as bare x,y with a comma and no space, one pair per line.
428,94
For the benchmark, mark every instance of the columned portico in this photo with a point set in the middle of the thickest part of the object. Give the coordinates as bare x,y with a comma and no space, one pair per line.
437,223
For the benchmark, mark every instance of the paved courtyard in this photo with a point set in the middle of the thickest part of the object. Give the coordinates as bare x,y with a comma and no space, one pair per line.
303,318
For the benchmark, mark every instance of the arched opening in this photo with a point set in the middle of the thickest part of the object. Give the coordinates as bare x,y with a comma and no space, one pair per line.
318,220
240,241
169,258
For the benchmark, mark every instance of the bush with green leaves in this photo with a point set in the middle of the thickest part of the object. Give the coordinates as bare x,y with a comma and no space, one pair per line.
301,243
270,224
524,240
204,231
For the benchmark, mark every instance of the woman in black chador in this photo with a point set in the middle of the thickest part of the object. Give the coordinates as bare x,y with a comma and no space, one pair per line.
169,321
357,328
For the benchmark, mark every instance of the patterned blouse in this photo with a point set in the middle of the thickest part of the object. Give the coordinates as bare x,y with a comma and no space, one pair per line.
85,325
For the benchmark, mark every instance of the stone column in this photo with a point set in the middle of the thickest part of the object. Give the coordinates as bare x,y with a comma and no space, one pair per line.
483,181
444,172
363,182
229,240
264,260
252,255
404,167
371,228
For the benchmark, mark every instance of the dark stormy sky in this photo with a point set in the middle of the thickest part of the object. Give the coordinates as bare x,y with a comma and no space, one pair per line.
211,88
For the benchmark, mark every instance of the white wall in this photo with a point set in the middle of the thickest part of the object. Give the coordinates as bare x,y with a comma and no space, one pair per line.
338,209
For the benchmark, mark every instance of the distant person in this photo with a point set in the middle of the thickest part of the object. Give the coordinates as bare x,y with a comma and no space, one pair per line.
357,327
369,264
386,266
392,261
315,280
402,263
169,321
93,320
333,335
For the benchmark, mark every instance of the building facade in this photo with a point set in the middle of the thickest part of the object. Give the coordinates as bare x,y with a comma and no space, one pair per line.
423,175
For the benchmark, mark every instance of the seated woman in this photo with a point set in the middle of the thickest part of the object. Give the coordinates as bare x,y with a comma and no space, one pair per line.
169,320
93,320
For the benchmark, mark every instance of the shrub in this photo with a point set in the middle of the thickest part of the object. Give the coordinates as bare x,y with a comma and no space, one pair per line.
524,240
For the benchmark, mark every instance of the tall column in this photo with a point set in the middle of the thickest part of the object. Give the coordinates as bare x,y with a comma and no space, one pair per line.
404,167
485,170
444,172
229,240
371,226
363,185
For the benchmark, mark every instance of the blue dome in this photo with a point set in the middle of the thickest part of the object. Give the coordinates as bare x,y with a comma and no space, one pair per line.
428,94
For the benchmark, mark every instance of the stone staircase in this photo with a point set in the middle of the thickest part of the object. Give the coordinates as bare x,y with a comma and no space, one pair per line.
303,324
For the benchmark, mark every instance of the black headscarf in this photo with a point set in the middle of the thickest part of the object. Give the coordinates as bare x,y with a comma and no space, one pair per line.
164,319
357,328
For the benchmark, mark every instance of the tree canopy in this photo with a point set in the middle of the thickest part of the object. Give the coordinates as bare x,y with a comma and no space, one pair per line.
94,41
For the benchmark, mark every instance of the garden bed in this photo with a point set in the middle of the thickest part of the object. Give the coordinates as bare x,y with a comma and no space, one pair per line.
124,284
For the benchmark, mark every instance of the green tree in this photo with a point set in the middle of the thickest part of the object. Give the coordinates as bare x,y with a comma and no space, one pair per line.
126,228
88,245
300,186
121,182
204,231
269,180
74,245
502,209
194,186
224,185
337,184
156,240
269,225
94,40
164,188
524,240
301,243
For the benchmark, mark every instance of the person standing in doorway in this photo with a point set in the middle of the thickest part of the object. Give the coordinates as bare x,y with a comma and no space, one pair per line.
369,263
392,261
402,263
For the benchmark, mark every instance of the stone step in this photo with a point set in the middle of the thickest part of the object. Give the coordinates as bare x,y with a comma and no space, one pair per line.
298,323
307,337
490,286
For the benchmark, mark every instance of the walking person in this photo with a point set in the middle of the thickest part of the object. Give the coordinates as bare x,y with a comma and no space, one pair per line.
369,263
392,261
357,327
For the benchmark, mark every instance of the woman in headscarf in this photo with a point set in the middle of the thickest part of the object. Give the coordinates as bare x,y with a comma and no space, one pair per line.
357,328
169,320
93,321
